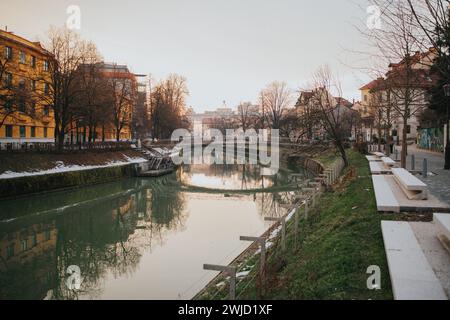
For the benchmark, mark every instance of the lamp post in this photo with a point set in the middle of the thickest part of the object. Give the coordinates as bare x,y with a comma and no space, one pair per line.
447,148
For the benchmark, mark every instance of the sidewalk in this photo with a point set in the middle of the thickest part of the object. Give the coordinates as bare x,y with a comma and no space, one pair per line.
439,181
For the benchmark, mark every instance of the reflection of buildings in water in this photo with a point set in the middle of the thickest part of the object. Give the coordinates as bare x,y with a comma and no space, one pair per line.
28,261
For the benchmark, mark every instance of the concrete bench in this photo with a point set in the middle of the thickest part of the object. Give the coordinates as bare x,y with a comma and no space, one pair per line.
372,158
378,168
379,154
442,222
388,161
386,200
413,188
412,277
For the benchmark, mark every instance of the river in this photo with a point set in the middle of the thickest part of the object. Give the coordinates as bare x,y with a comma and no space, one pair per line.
136,238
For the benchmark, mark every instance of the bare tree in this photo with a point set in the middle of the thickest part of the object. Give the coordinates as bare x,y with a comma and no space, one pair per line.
330,114
68,52
123,93
92,106
246,116
276,99
168,106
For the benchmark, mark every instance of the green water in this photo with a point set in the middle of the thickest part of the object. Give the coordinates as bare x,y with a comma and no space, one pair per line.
135,238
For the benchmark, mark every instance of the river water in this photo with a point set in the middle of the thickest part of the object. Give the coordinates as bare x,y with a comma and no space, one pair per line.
135,238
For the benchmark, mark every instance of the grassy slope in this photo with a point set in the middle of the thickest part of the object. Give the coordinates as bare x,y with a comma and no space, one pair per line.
339,241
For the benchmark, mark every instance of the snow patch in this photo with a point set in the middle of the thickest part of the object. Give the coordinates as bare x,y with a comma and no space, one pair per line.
61,167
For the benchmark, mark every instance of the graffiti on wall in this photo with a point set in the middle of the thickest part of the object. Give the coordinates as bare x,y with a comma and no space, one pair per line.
431,139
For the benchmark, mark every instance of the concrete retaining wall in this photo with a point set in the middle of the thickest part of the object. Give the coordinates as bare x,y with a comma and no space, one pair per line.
64,180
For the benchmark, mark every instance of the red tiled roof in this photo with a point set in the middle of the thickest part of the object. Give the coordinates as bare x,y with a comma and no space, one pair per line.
371,84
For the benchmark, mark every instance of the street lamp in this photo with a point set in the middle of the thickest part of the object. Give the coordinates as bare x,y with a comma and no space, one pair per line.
447,148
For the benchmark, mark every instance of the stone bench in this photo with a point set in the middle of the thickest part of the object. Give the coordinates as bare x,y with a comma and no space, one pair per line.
413,188
379,154
386,200
388,161
412,277
379,168
372,158
442,222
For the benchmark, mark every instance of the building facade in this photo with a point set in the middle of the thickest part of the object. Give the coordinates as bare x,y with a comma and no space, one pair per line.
25,106
385,97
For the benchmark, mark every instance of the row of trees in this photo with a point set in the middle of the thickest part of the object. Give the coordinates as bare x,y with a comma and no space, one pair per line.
73,87
321,112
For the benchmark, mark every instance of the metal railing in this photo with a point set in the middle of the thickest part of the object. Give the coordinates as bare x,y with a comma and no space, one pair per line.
47,147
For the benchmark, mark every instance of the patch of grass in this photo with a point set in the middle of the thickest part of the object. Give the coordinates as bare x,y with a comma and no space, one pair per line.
334,247
327,157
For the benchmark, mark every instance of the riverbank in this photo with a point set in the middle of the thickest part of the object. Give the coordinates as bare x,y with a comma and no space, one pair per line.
329,256
22,174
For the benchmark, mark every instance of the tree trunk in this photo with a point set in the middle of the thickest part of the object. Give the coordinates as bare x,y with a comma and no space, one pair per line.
404,142
343,153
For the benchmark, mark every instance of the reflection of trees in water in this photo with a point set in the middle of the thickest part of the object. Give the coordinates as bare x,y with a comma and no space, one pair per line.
274,204
162,211
107,238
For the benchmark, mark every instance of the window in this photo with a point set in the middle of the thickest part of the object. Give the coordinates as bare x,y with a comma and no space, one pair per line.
10,250
8,53
22,57
47,232
46,110
33,132
365,97
8,79
8,104
23,131
34,238
45,132
46,65
9,131
33,85
24,244
33,61
21,105
21,84
33,108
46,88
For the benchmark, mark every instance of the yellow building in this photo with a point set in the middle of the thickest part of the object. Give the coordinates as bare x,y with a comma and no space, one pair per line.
25,101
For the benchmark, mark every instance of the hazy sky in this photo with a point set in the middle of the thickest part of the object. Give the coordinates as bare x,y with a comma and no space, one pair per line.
228,49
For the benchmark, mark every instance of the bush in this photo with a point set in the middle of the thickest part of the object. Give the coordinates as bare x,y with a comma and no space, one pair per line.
361,147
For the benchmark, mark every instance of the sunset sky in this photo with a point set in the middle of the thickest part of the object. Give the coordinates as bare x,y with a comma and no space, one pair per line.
228,50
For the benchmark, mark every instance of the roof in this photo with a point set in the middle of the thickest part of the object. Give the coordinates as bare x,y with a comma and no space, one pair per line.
371,85
32,45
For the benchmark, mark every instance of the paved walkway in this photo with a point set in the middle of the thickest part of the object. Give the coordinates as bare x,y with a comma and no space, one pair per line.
439,181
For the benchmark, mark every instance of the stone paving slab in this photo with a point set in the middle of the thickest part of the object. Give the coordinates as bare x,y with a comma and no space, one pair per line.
412,277
437,256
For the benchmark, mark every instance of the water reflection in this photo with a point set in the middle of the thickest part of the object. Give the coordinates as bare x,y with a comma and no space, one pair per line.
137,239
